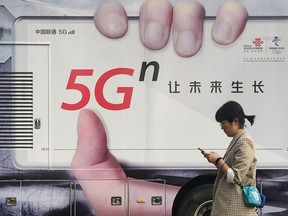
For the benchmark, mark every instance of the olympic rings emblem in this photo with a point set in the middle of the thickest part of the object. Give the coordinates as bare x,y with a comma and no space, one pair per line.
276,51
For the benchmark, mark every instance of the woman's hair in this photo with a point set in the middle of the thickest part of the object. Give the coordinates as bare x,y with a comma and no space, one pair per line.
233,110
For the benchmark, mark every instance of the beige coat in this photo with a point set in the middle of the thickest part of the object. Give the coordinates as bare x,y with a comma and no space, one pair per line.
227,197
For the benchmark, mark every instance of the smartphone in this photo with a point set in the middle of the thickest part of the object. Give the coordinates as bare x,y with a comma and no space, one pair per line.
202,151
112,78
56,94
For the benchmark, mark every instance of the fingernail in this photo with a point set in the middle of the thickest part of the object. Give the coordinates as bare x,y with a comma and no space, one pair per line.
116,24
154,34
187,43
222,32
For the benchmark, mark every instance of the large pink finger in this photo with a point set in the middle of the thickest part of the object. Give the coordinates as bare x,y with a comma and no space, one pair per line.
97,171
155,23
187,27
111,20
230,22
92,159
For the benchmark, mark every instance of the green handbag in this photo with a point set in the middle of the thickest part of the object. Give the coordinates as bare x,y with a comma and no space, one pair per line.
252,197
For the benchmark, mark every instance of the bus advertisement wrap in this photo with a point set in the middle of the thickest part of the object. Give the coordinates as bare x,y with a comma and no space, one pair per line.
92,125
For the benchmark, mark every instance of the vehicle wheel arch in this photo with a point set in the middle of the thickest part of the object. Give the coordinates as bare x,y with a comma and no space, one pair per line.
188,186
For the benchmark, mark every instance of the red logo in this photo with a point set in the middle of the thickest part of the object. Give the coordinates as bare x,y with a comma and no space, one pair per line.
258,42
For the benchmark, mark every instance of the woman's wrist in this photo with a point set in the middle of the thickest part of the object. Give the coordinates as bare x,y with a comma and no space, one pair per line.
221,164
217,160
